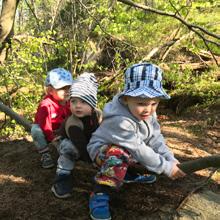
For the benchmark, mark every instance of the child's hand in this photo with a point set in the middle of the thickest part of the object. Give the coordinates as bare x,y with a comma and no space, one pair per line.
57,138
55,141
176,172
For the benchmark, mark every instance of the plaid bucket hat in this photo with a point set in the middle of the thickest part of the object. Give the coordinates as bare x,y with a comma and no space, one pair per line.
85,87
58,78
144,80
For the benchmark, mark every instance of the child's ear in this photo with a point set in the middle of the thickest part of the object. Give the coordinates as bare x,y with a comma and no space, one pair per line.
48,90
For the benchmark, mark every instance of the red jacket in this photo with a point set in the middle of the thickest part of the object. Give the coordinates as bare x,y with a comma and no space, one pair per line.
50,115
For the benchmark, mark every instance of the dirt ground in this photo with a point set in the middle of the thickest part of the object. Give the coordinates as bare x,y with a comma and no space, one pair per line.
25,187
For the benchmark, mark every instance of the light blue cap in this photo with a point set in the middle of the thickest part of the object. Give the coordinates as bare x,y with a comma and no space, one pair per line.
58,78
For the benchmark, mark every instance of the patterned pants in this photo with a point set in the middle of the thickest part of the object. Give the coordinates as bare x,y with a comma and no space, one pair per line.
113,162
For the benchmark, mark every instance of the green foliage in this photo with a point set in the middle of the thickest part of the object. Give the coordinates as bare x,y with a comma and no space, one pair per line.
186,82
22,76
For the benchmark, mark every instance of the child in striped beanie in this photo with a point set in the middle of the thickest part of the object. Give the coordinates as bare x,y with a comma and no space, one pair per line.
78,128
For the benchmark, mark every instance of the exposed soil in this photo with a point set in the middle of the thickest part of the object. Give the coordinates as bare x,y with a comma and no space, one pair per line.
25,187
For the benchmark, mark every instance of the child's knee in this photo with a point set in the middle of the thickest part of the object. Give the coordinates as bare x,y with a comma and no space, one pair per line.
67,148
113,162
38,136
113,154
36,131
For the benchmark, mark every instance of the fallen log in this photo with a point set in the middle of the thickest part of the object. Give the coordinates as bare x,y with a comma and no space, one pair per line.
199,65
200,164
187,167
19,119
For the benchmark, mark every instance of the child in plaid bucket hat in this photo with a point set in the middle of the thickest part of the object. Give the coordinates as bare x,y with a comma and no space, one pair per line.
78,128
145,81
129,138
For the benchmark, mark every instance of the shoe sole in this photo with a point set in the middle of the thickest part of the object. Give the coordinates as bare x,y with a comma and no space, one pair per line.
93,218
48,166
60,196
146,182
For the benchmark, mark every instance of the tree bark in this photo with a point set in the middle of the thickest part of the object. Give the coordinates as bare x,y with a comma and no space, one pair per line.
6,26
187,167
200,164
19,119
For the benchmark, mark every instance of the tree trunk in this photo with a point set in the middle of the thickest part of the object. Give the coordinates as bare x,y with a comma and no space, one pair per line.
6,26
20,120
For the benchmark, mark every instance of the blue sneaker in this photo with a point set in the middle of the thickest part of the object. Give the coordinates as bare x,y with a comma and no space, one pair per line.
139,178
99,206
63,186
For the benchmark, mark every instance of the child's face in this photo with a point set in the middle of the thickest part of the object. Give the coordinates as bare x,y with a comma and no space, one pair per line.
79,107
141,108
60,94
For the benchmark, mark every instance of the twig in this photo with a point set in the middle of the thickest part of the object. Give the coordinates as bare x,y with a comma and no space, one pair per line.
102,28
205,182
33,12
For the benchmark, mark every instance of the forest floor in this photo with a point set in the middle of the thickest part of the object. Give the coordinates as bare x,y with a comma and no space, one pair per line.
25,187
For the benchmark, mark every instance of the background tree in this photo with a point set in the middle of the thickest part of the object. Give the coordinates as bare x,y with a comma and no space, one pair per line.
6,26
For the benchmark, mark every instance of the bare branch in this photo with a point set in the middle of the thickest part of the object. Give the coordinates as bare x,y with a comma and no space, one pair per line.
206,44
55,13
153,10
192,27
102,28
18,118
33,12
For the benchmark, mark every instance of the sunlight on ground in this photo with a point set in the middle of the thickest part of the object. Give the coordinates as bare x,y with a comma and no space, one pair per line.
183,143
12,178
216,176
187,145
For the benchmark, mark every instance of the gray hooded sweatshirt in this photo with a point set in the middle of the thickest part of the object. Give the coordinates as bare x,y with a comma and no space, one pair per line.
142,139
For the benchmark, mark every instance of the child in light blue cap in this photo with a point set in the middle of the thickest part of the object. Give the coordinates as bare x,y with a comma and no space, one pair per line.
51,113
130,134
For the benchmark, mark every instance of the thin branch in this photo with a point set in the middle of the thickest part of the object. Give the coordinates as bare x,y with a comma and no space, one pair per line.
201,185
156,11
191,27
104,31
173,6
176,35
56,10
205,42
34,14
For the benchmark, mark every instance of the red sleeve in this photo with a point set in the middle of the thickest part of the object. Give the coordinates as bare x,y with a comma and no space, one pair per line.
44,121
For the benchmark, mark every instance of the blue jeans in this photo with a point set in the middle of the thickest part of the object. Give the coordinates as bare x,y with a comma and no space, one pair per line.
39,138
68,153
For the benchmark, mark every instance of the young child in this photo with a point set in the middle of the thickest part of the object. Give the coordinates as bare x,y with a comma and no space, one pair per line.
84,120
51,112
130,133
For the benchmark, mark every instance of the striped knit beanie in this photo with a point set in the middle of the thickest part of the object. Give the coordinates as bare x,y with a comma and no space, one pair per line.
85,87
144,80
